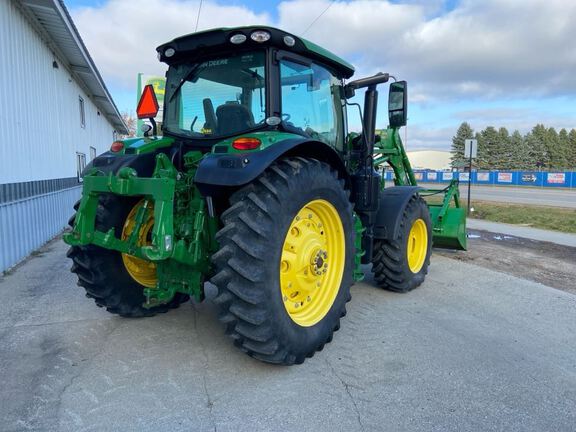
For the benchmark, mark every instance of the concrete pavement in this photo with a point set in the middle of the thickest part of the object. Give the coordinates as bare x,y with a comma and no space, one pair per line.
470,350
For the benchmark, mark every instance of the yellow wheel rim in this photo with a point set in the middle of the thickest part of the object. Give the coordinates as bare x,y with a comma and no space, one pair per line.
142,271
417,246
312,262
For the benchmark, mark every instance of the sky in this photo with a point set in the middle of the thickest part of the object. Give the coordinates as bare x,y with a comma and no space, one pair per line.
501,63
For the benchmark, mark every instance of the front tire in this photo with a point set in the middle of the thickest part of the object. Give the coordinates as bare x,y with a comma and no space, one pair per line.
286,260
401,264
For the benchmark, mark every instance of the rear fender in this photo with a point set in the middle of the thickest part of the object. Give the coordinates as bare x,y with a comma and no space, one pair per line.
110,162
218,173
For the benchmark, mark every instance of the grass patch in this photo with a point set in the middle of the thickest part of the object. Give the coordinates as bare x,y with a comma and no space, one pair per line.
549,218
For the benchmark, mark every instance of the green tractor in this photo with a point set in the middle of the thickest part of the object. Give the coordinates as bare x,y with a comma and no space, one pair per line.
256,186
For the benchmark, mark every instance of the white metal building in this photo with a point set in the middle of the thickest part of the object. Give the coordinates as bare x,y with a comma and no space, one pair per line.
430,159
55,116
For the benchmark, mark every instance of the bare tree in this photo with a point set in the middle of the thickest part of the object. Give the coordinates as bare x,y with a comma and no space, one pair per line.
130,120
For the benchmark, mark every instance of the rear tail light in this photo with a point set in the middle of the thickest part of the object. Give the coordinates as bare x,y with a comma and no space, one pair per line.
117,146
246,143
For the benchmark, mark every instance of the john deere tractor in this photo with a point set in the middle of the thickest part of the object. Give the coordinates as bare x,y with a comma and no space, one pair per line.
252,182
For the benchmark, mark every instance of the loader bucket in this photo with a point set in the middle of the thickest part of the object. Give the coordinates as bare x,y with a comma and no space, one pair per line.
449,231
448,218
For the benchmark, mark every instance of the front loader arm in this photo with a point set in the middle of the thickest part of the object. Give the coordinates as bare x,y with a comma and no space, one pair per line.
448,218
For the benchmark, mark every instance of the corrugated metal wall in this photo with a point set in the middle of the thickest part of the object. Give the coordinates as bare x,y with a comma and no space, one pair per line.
27,224
40,134
39,107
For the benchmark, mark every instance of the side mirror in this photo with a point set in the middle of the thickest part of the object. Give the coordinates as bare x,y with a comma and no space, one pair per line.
398,104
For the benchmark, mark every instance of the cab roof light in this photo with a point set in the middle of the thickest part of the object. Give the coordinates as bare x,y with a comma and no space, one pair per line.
260,36
246,143
289,40
238,38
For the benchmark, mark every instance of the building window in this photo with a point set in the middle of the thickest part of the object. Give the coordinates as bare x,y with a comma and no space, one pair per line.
80,164
82,112
92,153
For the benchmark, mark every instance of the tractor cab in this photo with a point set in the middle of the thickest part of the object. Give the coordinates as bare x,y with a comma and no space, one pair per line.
226,82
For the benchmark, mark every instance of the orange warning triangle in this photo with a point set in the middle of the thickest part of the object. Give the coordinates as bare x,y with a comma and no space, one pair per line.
148,105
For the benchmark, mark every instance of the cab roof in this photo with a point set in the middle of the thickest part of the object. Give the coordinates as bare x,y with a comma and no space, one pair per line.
212,42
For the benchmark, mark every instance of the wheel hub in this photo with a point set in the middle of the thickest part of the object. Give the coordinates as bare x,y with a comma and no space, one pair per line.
142,271
320,262
312,262
417,247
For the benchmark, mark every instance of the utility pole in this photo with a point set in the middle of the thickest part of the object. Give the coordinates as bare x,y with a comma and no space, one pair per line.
470,150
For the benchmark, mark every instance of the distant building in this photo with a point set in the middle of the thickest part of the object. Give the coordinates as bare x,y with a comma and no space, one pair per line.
56,115
430,159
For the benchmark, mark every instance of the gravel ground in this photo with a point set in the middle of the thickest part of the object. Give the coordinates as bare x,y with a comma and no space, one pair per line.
545,262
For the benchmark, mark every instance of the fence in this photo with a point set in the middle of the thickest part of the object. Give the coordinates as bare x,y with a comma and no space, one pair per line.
566,179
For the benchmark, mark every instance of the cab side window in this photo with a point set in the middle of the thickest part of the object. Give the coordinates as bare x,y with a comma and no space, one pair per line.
311,102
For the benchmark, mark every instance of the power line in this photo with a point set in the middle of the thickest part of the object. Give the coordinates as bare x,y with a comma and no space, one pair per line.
318,17
198,17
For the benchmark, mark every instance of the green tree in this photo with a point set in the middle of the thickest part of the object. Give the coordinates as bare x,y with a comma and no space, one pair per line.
572,150
487,147
520,157
458,158
539,148
497,149
563,148
552,145
503,151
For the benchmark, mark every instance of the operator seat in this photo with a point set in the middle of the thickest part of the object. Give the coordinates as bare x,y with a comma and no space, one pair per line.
232,118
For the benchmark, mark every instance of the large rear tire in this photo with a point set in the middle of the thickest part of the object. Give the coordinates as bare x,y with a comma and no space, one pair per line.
109,276
286,260
401,264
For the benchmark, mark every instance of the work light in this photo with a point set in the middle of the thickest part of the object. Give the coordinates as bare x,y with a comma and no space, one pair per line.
260,36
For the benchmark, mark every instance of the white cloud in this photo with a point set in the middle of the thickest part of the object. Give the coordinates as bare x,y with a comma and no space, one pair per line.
489,50
122,35
486,49
417,137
